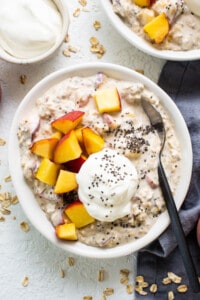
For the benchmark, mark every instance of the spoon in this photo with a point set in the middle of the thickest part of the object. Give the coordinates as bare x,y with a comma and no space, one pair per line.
157,123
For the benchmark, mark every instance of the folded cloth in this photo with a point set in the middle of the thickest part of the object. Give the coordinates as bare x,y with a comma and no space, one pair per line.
181,80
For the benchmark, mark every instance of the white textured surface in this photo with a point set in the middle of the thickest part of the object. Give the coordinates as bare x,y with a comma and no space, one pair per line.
29,254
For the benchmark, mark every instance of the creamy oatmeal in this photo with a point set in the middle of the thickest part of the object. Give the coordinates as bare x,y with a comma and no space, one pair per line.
127,133
184,26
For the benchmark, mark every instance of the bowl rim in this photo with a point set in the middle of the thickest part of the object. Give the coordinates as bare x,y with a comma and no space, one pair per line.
143,45
23,191
63,9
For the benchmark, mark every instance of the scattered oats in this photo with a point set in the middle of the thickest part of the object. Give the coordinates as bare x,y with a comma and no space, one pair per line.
14,200
153,288
140,290
139,278
66,40
139,71
124,280
108,291
66,52
94,41
7,179
14,218
72,49
174,278
97,25
71,261
24,226
182,288
129,288
23,79
125,272
5,203
170,295
62,273
83,2
76,13
87,298
103,297
5,211
143,284
2,142
96,48
166,280
25,281
101,275
2,219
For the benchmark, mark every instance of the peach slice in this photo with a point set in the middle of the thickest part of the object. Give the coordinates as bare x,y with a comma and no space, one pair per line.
107,100
66,182
66,231
157,29
78,214
92,141
144,3
45,147
57,135
67,148
75,164
47,171
68,122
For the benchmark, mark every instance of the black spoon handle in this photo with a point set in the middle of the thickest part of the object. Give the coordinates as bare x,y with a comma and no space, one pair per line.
178,230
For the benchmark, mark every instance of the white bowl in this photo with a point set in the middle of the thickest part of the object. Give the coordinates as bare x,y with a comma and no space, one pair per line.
143,45
25,195
63,9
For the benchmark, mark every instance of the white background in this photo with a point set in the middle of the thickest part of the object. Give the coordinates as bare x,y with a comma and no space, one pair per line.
30,254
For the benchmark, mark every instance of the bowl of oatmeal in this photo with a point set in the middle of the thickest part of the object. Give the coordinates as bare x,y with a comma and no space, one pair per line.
166,29
32,31
85,169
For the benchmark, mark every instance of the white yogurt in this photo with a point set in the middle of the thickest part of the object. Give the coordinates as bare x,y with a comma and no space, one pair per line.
29,28
107,181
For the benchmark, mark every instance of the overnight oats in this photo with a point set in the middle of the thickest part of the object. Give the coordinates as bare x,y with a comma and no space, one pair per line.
166,24
90,156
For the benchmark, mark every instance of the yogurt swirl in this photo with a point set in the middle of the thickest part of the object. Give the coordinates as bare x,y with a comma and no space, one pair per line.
107,181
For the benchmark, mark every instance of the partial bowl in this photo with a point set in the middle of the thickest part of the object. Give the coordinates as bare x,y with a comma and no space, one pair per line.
64,13
143,45
25,194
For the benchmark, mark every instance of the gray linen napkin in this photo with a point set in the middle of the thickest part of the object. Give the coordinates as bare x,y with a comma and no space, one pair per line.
181,80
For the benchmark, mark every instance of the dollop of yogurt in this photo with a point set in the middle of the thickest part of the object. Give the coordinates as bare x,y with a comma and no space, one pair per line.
29,28
106,183
194,6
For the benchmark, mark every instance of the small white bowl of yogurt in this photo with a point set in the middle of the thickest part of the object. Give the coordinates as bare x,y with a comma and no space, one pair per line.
117,185
31,31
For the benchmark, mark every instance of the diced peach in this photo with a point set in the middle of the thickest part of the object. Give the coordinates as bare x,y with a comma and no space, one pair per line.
45,147
57,135
92,141
68,122
67,148
107,100
77,213
157,29
75,164
78,132
66,231
144,3
48,171
66,182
